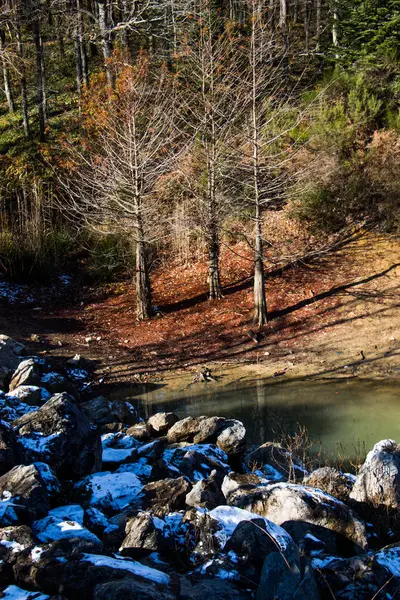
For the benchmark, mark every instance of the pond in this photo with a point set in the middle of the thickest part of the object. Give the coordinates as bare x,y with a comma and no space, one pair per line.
344,418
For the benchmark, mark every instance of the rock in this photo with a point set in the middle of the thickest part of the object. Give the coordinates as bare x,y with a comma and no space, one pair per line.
232,438
153,450
165,496
161,423
332,481
285,502
140,431
378,482
217,589
27,373
386,567
209,429
350,579
143,536
275,463
207,492
184,430
13,592
26,493
101,411
79,575
52,528
30,394
127,588
197,461
241,481
54,382
13,540
109,492
287,577
61,433
95,521
10,352
10,452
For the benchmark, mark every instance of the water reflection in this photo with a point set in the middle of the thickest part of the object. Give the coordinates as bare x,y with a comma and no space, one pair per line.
342,414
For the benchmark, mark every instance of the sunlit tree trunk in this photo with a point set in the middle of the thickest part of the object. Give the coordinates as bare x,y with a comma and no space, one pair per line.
6,75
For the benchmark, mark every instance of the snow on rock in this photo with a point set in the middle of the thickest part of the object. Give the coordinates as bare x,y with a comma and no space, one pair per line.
12,592
229,517
131,566
389,559
109,491
140,468
52,528
69,512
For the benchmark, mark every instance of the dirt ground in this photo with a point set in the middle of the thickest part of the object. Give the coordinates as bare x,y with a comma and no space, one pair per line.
336,317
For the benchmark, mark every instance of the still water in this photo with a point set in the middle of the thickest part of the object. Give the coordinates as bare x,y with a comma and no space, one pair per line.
343,417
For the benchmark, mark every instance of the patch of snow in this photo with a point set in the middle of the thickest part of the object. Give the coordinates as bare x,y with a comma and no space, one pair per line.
52,483
13,592
129,565
51,529
389,558
175,455
116,455
53,378
15,294
8,516
38,443
36,553
96,517
12,545
321,563
229,517
70,512
140,467
111,491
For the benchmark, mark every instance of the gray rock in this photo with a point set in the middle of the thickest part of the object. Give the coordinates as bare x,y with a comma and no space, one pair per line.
206,493
29,394
386,567
162,422
11,353
285,576
241,481
27,373
54,382
331,481
378,482
101,411
184,430
26,492
128,588
350,579
61,432
275,463
140,431
165,496
10,454
207,587
209,429
284,502
142,536
232,438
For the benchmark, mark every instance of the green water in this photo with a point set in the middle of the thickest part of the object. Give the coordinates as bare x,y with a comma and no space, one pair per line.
342,416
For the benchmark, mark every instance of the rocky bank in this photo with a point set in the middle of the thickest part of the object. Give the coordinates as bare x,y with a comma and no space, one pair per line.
97,504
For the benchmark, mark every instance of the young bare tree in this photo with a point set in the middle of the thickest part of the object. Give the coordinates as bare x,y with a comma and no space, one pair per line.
136,143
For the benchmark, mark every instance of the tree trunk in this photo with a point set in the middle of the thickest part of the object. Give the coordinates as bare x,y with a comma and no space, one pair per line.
106,40
318,25
260,301
40,80
215,290
24,91
6,76
144,308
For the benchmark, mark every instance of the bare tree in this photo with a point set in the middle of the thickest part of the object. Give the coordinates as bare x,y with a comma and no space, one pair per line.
115,184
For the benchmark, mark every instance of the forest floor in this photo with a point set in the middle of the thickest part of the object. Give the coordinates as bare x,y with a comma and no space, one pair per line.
335,317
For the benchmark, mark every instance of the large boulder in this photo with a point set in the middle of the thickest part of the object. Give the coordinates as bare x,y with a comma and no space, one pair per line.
386,567
130,588
207,493
201,588
27,373
275,463
160,423
349,579
102,411
378,482
331,481
165,496
184,430
286,576
26,493
10,454
11,353
232,438
143,535
60,433
109,492
197,461
284,503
